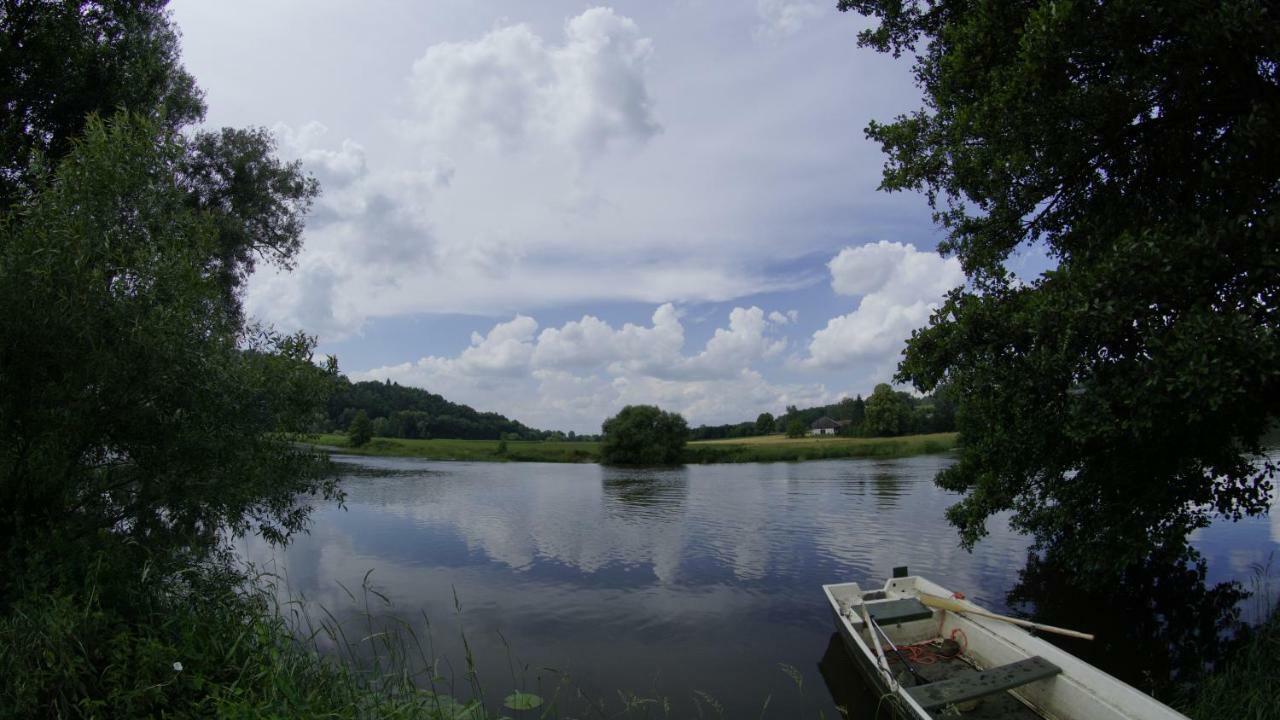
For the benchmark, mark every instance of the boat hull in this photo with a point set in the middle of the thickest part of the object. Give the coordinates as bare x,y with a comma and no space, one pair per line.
1071,690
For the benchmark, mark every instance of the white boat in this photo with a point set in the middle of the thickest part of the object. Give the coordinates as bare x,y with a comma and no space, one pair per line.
929,662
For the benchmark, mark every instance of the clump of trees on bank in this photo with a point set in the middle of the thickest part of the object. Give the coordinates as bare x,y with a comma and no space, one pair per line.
644,435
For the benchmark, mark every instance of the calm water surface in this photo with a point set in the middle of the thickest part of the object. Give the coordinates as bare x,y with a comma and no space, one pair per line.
668,582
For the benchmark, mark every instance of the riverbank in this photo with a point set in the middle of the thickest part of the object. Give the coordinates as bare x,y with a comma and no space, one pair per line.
769,448
1248,687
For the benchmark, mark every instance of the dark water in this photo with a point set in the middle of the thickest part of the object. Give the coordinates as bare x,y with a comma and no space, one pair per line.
673,582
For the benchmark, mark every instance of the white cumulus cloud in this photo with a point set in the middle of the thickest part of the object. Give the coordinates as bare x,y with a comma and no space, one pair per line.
575,375
778,318
505,350
512,86
900,287
744,340
591,343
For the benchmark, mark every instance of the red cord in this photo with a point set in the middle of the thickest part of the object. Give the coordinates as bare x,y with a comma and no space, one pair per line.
922,653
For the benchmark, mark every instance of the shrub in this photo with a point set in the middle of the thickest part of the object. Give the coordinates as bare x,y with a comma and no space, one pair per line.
361,430
644,435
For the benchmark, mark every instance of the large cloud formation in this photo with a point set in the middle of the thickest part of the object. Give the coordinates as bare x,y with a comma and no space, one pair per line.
498,168
900,288
574,375
505,194
511,86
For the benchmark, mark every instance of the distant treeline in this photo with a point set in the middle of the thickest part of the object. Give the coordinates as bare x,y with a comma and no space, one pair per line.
397,411
886,413
407,412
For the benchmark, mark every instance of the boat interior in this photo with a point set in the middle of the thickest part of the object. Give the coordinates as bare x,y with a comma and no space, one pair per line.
941,659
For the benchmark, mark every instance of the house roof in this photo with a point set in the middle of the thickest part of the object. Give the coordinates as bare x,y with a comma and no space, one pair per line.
824,423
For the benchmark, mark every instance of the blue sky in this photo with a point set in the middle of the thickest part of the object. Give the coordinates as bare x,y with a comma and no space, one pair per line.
553,209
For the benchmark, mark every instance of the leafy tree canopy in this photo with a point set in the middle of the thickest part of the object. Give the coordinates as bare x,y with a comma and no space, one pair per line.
361,430
61,62
411,412
130,401
796,428
888,413
1120,397
142,422
764,423
255,202
643,435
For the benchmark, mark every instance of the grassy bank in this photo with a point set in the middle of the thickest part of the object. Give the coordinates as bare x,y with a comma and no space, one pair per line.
128,641
486,450
1248,688
771,448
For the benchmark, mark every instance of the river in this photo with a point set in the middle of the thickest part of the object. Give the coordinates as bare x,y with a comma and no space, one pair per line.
700,585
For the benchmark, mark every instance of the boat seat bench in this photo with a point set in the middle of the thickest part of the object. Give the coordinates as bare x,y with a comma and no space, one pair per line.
979,683
893,612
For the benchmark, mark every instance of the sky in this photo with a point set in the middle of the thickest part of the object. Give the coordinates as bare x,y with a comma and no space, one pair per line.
552,210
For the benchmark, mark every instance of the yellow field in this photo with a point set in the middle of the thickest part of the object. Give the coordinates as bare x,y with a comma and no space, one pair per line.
827,440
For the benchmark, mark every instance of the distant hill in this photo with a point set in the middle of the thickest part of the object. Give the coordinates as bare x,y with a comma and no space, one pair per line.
408,412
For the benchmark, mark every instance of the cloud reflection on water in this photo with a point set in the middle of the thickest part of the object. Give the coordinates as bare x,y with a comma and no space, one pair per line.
707,576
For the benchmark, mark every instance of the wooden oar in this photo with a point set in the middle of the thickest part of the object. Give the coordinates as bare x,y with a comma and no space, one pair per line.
875,641
934,601
874,627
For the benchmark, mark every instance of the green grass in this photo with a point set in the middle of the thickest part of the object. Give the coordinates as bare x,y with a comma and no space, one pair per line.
486,450
201,643
770,448
1248,688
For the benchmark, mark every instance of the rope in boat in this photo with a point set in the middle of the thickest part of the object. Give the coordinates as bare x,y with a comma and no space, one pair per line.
928,652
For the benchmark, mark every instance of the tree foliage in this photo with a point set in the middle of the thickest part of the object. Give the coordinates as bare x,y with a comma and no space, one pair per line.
143,423
1119,397
361,430
796,428
643,435
129,401
62,61
410,412
888,413
721,432
256,202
